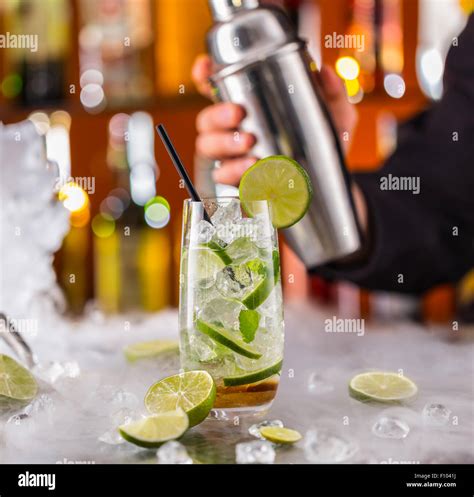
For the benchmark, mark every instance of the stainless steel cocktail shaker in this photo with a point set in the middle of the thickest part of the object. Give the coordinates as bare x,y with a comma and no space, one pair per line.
261,63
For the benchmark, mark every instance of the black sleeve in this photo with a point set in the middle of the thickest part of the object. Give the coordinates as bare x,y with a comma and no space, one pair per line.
420,240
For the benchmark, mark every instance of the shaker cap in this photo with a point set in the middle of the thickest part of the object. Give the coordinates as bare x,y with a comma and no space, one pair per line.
223,9
246,31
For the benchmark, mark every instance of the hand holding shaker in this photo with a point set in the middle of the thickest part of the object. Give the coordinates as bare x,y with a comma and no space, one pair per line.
261,64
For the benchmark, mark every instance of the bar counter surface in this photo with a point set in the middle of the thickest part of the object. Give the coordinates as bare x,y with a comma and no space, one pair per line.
65,424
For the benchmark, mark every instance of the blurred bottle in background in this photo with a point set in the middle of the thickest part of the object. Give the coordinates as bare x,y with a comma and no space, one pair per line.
115,53
131,243
36,72
180,27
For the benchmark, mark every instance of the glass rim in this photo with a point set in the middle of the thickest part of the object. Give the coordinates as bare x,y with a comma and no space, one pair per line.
222,197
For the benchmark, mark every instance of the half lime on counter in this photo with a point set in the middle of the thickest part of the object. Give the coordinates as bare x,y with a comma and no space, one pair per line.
283,183
192,391
154,430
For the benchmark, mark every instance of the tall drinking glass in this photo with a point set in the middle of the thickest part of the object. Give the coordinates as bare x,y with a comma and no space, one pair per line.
230,308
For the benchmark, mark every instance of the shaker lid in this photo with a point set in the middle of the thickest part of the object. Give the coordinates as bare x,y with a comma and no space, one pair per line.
247,31
223,9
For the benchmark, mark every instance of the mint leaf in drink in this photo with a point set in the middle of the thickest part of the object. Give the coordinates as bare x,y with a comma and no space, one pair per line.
248,324
257,266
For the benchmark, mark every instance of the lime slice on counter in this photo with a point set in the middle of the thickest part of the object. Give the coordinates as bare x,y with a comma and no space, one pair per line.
219,251
260,293
381,386
154,430
192,391
17,384
145,350
283,183
254,376
279,435
224,337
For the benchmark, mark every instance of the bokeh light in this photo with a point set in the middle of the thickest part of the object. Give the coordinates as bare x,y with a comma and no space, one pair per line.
432,66
103,225
73,197
93,97
41,121
91,76
352,87
394,85
12,85
347,68
157,212
113,206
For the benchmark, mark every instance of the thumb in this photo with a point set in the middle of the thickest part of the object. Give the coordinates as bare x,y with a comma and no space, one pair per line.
200,73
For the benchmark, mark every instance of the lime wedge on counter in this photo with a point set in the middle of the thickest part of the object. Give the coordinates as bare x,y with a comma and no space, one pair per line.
254,376
279,435
381,386
192,391
283,183
260,293
224,337
145,350
154,430
17,384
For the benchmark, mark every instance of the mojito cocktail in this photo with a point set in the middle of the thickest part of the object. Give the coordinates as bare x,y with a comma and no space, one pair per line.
231,316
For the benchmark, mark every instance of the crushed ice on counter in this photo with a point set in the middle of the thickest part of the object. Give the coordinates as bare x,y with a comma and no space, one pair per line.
256,452
436,414
121,417
390,427
53,371
173,453
323,446
317,384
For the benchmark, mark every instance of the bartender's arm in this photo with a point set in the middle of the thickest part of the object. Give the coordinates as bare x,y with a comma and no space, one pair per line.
416,237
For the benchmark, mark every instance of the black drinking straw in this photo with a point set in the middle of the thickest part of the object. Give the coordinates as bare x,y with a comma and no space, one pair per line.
180,167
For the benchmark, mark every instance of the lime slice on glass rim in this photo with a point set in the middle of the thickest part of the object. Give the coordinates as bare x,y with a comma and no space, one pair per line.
192,391
254,376
154,430
283,183
382,387
146,350
280,435
224,337
17,384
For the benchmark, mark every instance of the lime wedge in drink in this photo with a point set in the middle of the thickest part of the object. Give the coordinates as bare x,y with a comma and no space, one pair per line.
279,435
381,386
283,183
154,430
145,350
260,293
219,251
17,384
224,337
254,376
192,391
206,262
